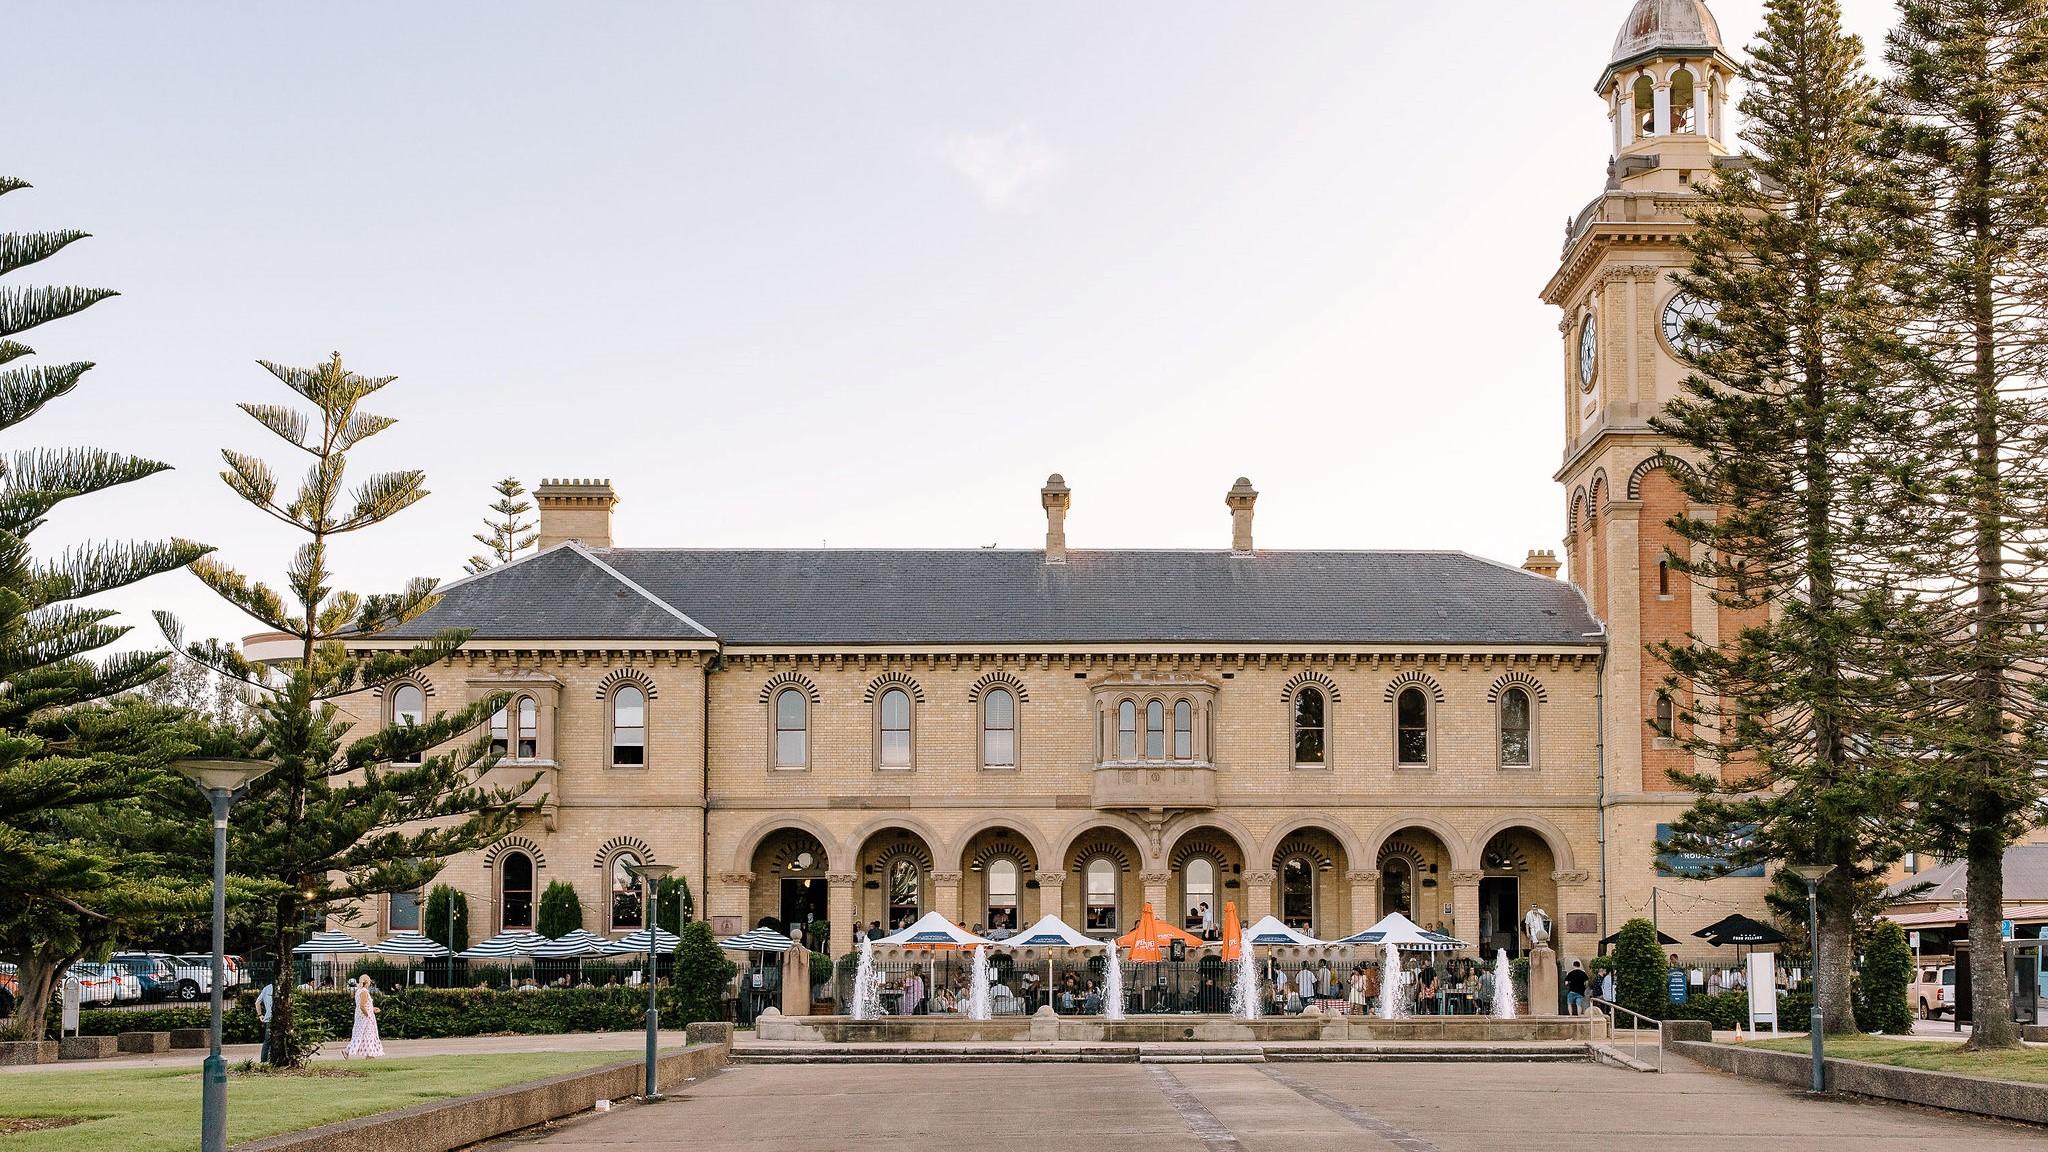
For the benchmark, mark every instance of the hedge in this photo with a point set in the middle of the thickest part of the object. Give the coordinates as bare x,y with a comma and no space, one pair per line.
424,1013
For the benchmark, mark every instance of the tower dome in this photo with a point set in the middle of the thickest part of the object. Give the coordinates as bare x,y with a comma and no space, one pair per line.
1663,25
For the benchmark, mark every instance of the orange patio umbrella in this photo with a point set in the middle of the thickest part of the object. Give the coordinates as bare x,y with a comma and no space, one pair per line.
1233,935
1148,941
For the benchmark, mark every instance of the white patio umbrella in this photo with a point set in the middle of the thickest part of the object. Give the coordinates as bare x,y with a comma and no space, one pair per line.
573,945
330,944
1048,933
1270,930
637,941
935,931
505,946
758,940
1406,935
410,944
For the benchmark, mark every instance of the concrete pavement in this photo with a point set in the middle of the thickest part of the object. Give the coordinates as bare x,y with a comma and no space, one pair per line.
1259,1108
628,1044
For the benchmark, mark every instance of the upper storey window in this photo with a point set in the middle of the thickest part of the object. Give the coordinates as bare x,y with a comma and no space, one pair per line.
1127,730
408,710
894,718
1684,108
1183,730
529,728
1645,97
501,735
1517,744
1146,719
1155,731
998,729
629,727
1310,731
1411,727
792,729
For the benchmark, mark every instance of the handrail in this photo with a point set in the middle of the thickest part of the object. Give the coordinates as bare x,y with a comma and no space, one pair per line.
1636,1029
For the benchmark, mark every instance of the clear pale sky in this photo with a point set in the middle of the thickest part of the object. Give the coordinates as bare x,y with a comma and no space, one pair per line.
792,273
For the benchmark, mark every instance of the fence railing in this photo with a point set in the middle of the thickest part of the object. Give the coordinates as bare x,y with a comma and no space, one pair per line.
1636,1028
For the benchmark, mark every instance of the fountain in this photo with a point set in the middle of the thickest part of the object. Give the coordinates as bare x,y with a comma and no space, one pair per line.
1503,986
1390,984
978,1007
867,985
1113,986
1245,997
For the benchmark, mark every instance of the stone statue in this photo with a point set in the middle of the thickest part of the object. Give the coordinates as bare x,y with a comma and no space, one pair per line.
1538,925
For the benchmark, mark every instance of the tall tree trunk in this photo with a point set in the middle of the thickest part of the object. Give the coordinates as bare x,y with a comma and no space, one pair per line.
286,978
1834,970
1991,1023
36,980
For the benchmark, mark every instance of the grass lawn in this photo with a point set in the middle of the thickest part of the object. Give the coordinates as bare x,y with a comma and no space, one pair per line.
157,1109
2029,1064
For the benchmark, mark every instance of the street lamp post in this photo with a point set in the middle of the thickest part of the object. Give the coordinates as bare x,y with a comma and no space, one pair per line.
1813,874
220,779
650,875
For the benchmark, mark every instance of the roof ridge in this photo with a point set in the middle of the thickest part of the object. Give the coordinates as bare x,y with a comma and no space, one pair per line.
650,597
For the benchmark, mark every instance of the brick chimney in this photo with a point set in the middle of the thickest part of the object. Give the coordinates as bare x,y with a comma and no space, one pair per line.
1241,497
1543,562
579,510
1056,498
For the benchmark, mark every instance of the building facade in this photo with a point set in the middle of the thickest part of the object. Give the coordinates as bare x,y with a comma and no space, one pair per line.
866,736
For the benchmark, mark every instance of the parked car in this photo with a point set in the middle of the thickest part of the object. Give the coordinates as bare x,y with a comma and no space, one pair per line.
105,984
234,969
1933,993
159,981
192,981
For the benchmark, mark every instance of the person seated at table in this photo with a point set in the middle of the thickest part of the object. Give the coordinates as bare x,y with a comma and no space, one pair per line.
1426,990
1091,1002
943,1003
1070,992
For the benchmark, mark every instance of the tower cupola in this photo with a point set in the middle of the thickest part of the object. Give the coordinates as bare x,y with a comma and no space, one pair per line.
1666,82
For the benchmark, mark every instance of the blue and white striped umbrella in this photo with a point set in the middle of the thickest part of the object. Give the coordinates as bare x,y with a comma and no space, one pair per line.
1271,930
505,946
637,941
762,939
324,943
572,945
409,943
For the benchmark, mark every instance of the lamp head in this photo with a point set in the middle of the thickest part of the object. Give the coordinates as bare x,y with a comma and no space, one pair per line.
1812,873
652,873
221,775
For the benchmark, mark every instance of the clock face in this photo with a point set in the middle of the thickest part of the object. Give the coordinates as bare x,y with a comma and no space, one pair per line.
1686,307
1589,345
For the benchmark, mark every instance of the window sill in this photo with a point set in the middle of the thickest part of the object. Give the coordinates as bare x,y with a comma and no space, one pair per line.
629,767
1312,767
1518,767
998,767
1399,767
896,768
789,768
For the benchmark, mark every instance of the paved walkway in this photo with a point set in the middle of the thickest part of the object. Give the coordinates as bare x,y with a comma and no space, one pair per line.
1260,1108
627,1044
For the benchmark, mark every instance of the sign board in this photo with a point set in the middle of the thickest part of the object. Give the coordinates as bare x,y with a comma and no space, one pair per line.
1582,923
2005,929
70,1022
1763,990
419,976
725,925
1680,990
1694,865
1913,938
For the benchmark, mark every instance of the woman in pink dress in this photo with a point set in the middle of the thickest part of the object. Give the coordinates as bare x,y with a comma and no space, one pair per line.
363,1040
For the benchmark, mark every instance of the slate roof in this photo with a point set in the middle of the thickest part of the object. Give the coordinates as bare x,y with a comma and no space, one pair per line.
858,597
2026,878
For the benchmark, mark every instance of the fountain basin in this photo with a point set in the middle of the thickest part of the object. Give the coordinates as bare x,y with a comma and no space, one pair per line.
1167,1029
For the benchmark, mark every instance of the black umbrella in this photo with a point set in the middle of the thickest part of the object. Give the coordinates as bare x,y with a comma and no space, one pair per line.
1662,939
1740,930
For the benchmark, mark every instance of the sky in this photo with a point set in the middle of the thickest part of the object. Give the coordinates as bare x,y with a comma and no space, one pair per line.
806,273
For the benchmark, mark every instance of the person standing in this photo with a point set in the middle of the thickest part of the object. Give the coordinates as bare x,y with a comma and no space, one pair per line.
1305,984
264,1000
913,994
1575,990
363,1040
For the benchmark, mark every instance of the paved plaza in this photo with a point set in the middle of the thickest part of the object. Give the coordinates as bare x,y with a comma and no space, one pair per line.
1257,1108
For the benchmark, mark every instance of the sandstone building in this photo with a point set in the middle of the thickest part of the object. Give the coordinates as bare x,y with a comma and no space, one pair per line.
865,736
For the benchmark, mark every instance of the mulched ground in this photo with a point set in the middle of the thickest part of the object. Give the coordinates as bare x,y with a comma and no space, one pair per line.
310,1072
15,1125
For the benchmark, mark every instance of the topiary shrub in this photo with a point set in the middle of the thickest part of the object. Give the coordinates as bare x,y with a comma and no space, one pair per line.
446,919
561,912
673,905
1887,974
702,973
1639,970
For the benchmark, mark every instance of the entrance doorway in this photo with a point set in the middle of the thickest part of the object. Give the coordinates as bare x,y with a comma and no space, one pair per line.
1500,903
803,900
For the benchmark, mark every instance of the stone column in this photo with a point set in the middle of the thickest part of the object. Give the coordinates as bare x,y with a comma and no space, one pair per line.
1365,901
1662,127
1465,905
946,895
1052,887
731,902
1258,896
1155,894
846,927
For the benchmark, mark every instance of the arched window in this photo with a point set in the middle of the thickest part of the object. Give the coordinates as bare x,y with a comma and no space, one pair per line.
1002,894
906,887
408,710
1646,107
998,729
1183,730
1101,895
1155,730
629,727
893,714
1198,894
1126,731
1663,577
1516,726
1667,720
792,728
625,892
1683,106
529,728
1298,894
501,733
1394,888
1309,730
515,891
1411,727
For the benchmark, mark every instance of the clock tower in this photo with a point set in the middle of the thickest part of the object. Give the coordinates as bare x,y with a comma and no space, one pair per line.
1666,90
